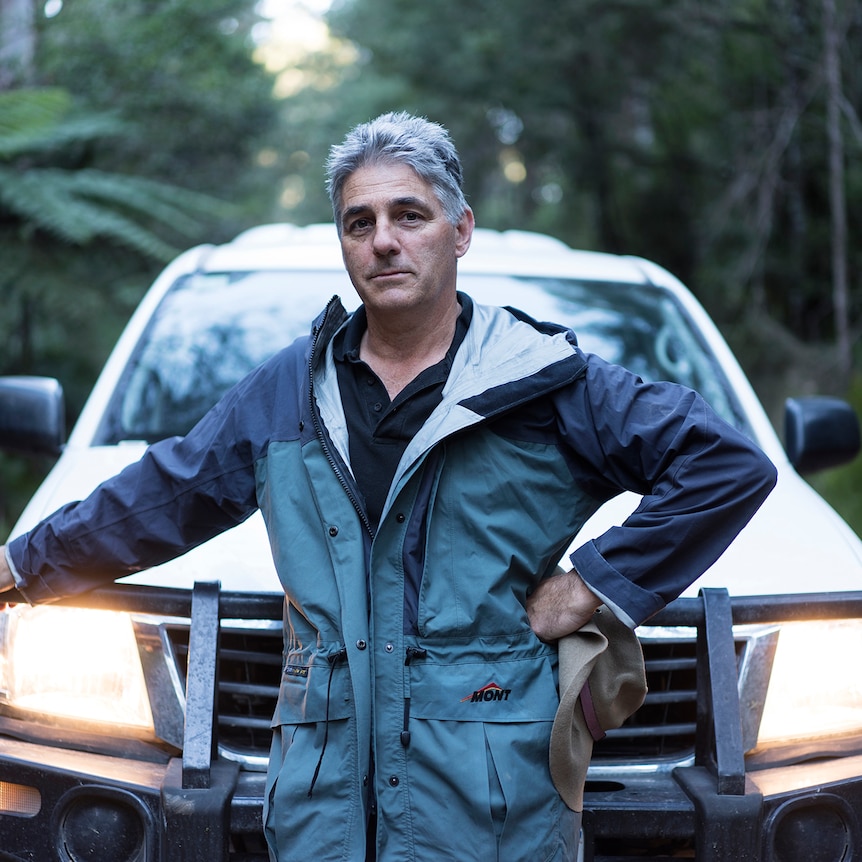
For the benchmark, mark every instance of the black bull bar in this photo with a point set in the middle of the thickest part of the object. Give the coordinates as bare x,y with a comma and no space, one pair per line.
713,802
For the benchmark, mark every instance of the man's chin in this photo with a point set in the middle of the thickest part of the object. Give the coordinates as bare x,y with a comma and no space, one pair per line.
389,293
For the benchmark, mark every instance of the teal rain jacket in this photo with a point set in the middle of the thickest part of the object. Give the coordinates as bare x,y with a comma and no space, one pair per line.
412,680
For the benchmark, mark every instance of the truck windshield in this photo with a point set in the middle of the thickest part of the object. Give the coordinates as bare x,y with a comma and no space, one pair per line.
211,329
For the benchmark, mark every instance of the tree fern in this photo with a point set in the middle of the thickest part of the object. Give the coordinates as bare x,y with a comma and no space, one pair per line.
77,206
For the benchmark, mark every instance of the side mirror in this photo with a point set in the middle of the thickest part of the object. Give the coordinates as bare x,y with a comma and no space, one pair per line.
819,433
32,415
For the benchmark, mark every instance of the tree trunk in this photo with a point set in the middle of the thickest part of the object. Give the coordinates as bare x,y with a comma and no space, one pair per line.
837,204
17,42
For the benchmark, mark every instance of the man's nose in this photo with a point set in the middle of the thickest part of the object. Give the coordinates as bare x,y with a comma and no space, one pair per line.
385,238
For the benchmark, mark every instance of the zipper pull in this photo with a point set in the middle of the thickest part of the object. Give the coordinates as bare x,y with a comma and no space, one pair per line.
414,652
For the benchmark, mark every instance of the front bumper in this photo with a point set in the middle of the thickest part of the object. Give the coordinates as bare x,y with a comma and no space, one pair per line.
72,806
787,814
714,810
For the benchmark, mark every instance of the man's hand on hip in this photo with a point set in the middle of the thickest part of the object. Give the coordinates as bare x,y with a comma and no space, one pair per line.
560,605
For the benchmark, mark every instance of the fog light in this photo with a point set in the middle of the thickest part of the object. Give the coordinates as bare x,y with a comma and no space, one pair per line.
19,799
817,832
101,829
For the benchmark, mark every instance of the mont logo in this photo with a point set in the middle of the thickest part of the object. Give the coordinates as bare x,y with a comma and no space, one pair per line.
488,693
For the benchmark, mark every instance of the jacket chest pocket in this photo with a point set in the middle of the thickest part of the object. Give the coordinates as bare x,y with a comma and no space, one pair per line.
520,689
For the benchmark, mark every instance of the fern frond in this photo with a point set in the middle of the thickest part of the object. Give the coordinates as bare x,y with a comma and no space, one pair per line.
56,137
171,206
24,111
36,121
78,206
48,200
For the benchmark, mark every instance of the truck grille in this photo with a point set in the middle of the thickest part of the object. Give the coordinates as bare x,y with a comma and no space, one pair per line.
248,679
664,727
250,668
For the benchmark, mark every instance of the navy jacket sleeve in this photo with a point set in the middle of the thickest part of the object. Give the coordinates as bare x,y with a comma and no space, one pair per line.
182,492
701,481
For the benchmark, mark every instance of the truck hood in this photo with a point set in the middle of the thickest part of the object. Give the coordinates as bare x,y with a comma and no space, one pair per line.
794,544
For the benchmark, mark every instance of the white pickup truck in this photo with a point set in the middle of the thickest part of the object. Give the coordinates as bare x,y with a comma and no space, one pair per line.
749,745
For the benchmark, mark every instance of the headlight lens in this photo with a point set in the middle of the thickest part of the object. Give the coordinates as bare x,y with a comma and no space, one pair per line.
815,690
72,663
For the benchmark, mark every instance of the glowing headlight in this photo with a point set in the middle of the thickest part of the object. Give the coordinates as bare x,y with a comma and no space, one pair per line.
71,663
815,690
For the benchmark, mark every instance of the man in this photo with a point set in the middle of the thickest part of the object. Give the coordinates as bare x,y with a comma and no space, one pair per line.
421,466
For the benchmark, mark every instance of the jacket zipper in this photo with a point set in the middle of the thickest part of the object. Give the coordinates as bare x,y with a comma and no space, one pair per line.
318,425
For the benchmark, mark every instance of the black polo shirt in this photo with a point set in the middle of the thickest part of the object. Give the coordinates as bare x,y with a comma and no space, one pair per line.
380,429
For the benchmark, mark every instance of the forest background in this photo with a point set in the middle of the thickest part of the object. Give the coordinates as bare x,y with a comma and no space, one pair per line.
721,139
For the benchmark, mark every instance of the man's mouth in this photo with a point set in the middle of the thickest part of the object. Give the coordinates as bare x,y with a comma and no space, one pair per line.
389,273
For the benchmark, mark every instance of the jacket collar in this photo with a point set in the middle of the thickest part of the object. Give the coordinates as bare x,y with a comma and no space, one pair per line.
506,359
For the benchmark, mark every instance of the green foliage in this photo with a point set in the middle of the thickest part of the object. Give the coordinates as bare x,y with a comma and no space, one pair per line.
182,77
45,209
79,205
140,137
569,91
27,116
157,98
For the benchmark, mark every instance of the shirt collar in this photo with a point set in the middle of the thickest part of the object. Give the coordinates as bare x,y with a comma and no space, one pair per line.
347,342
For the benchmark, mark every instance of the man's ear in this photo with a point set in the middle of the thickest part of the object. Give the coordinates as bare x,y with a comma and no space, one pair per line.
464,229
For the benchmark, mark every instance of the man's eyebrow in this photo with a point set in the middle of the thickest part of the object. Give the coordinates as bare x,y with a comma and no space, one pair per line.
406,201
350,212
409,201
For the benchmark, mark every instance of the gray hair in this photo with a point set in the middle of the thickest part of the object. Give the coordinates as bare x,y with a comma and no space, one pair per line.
403,139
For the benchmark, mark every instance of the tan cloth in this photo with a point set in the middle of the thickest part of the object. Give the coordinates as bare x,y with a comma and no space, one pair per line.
602,661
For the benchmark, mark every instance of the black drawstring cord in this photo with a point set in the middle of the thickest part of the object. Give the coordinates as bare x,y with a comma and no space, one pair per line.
412,652
333,660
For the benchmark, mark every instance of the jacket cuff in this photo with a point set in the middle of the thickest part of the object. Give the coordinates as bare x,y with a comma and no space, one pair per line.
33,588
629,602
12,568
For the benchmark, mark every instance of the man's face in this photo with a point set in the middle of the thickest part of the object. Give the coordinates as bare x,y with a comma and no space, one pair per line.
399,249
